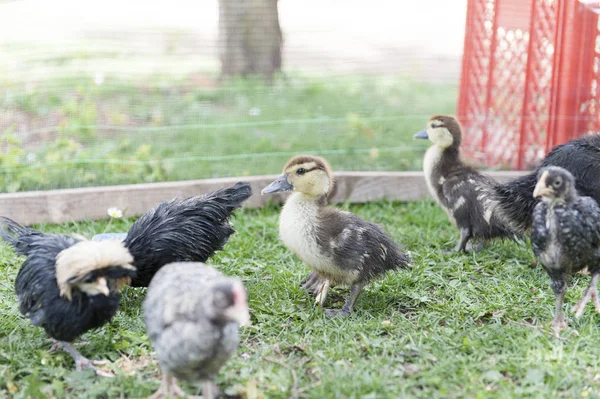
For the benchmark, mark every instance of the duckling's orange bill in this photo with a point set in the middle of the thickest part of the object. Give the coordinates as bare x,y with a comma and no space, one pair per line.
280,184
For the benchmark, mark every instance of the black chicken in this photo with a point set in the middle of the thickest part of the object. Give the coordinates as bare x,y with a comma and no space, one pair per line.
192,313
581,157
191,229
566,237
67,286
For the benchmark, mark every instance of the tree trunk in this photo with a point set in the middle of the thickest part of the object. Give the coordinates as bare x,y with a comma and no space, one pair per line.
250,38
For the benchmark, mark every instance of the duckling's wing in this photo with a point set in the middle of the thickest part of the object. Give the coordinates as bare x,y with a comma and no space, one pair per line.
359,245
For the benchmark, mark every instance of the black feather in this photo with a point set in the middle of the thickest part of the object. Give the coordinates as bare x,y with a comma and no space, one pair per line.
37,290
191,229
581,157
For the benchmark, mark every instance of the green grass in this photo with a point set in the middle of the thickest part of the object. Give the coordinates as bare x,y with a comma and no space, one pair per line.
69,132
472,325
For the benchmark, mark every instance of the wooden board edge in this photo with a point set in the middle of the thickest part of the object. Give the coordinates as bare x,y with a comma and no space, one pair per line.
60,206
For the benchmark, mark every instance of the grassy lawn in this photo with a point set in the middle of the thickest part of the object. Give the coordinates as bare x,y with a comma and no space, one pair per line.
451,326
70,132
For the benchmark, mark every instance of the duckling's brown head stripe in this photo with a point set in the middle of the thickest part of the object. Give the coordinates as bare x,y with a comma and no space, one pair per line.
450,123
309,163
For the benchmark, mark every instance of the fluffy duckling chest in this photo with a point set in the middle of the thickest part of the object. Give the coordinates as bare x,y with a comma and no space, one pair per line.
299,229
435,178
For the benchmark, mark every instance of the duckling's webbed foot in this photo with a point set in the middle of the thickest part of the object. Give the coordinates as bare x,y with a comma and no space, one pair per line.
311,283
591,292
349,304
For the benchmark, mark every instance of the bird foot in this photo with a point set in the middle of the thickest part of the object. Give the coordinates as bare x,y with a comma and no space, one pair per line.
55,346
474,248
579,307
558,324
311,283
84,363
337,312
162,393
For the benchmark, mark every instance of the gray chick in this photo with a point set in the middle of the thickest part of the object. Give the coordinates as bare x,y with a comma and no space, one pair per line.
565,237
192,314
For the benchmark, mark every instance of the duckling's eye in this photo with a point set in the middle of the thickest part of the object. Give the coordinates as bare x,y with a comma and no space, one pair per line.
301,171
557,183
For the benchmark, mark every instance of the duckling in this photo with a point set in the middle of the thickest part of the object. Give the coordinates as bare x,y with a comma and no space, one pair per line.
566,237
339,247
463,193
581,157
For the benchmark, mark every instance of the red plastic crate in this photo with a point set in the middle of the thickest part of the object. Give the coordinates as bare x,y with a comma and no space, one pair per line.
529,80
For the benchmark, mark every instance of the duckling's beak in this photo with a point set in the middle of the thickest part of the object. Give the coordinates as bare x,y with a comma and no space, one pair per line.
421,135
280,184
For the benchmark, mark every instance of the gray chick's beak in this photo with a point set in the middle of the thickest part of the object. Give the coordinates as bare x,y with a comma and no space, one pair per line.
280,184
421,135
540,188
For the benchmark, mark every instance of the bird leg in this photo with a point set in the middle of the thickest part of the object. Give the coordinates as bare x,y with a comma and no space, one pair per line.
209,390
591,292
347,308
461,246
81,362
558,322
321,292
311,283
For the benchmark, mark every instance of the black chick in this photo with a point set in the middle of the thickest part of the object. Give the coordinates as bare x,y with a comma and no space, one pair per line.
462,192
339,247
581,157
566,237
192,313
67,286
191,229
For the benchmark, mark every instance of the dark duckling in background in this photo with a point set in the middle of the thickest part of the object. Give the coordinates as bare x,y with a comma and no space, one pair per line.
580,157
339,247
466,195
565,237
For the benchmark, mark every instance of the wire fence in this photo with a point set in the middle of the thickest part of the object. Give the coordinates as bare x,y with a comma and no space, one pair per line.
104,93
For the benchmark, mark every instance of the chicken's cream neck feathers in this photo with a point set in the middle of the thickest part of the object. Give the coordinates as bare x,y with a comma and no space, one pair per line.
74,263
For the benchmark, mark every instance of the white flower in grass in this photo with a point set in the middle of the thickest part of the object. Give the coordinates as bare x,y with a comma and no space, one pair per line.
115,212
99,78
254,111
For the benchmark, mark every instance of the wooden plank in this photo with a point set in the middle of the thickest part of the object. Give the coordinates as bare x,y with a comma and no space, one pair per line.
59,206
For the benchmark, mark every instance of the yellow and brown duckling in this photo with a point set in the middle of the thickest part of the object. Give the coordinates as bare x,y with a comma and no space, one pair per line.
339,247
463,193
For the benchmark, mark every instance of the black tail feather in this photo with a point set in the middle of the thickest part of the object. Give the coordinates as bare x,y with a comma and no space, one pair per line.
516,202
192,229
17,236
